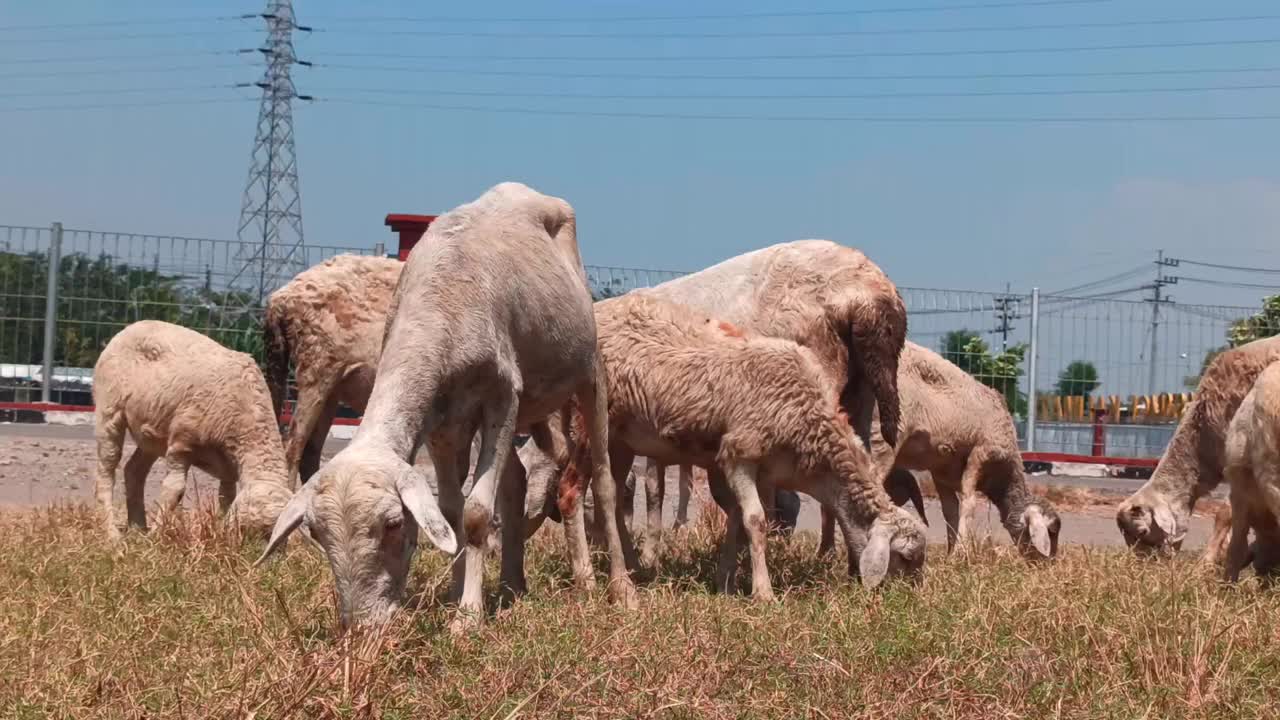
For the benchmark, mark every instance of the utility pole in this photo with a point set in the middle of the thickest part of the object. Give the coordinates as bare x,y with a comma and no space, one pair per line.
1156,300
270,228
1004,313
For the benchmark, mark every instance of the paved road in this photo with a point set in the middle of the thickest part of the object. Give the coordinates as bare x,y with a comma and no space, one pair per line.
45,463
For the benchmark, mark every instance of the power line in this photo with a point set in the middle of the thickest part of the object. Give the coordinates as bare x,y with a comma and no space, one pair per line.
954,120
1228,283
121,106
820,56
766,78
124,23
521,35
1124,275
130,36
735,16
803,96
109,58
121,71
115,91
1239,268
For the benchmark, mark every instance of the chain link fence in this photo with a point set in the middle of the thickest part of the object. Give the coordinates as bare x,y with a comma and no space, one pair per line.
1088,375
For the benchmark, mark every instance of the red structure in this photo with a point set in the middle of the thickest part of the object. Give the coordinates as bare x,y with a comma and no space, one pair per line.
410,229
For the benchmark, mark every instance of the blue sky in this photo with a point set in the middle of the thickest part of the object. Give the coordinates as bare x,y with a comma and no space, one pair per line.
972,205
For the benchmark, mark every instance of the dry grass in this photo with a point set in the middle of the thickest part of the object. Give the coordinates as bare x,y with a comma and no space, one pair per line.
1074,498
181,627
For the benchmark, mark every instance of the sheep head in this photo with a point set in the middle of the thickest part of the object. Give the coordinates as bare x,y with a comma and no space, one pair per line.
257,506
895,547
364,510
1037,529
1153,523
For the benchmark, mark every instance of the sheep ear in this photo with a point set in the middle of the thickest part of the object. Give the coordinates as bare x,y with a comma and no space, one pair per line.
873,563
289,519
1163,519
1038,526
421,502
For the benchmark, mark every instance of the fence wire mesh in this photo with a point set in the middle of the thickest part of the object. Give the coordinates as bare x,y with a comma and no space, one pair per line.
1129,367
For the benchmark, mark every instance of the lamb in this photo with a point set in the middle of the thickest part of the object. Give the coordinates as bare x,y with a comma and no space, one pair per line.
961,432
1252,452
490,328
829,298
1156,517
183,397
328,320
756,412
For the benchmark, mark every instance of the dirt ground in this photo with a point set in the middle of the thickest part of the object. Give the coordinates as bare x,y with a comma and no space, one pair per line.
42,464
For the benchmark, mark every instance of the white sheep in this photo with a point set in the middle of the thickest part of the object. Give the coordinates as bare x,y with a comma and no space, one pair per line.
490,328
1253,469
1156,517
757,412
961,432
827,297
184,398
328,321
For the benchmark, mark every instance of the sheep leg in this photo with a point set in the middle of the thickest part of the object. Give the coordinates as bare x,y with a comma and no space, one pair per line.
446,452
726,580
655,481
226,494
828,542
135,480
513,487
309,465
968,501
109,432
477,512
743,481
174,485
682,504
313,403
1239,547
950,512
594,401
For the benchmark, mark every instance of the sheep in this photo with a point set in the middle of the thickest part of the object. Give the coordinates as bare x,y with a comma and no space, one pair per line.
1252,451
184,398
328,320
827,297
1155,518
490,328
961,432
755,411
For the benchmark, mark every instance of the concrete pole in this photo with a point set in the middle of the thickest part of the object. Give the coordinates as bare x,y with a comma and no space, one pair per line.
1034,350
51,311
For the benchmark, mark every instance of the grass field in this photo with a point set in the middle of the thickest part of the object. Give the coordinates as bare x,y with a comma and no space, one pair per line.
180,626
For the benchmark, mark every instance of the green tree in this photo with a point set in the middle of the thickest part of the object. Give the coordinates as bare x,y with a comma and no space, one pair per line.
1262,324
1000,372
606,291
954,348
1078,379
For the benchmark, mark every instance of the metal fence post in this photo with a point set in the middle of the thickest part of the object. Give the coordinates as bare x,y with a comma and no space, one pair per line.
379,250
1031,369
51,310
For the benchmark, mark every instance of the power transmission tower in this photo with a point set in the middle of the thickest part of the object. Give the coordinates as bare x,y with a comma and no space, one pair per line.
1161,280
270,227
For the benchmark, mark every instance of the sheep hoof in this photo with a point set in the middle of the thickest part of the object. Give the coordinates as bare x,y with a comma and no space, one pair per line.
623,592
464,623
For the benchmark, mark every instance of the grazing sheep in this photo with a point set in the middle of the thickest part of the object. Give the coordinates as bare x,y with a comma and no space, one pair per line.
328,320
184,398
1156,517
490,328
961,432
827,297
1253,469
756,412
